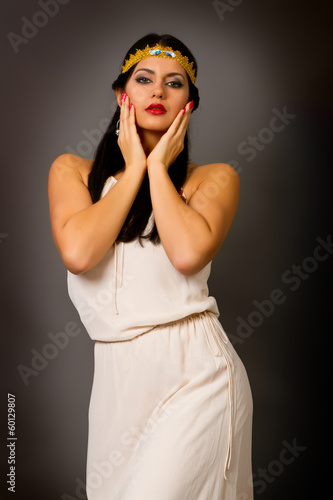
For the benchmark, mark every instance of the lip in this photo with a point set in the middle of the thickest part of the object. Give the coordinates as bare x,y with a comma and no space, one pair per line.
156,109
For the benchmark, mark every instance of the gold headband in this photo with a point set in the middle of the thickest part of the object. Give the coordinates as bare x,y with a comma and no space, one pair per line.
159,51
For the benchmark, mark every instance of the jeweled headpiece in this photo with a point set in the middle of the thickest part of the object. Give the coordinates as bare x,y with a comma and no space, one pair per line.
159,51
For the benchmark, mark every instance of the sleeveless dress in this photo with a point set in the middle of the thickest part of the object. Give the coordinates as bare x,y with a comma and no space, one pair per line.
170,413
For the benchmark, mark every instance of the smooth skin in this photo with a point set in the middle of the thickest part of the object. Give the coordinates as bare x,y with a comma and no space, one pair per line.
192,233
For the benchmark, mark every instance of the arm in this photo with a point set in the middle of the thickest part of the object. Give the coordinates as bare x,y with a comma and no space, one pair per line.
83,232
193,234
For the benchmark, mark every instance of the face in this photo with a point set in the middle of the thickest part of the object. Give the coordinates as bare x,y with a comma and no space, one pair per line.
156,80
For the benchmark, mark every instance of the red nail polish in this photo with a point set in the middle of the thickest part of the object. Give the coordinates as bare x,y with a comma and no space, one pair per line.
130,106
184,111
190,105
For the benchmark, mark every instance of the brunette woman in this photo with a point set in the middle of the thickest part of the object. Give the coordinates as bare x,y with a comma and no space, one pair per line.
137,227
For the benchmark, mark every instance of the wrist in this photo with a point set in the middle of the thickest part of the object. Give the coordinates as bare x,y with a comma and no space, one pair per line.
134,173
139,167
156,165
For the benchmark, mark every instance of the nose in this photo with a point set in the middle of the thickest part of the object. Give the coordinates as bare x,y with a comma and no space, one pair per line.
157,90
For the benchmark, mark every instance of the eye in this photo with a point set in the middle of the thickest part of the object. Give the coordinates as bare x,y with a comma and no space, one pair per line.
175,84
142,79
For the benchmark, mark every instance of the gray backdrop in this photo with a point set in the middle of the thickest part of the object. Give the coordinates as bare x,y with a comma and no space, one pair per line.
273,276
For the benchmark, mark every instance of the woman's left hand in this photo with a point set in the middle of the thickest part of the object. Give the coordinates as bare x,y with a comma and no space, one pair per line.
172,142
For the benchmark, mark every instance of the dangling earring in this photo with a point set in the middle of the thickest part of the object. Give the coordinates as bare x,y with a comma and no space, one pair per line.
117,128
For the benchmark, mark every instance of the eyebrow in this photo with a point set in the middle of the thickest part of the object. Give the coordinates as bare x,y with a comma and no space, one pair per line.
153,72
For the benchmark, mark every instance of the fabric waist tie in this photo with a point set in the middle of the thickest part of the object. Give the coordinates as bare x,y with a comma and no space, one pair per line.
121,243
221,341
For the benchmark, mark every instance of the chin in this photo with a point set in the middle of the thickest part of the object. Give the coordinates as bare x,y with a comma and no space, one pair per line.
154,124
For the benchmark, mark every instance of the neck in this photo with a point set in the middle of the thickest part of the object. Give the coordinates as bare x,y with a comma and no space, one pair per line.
149,139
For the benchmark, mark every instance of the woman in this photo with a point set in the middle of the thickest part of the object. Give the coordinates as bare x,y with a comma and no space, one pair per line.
171,410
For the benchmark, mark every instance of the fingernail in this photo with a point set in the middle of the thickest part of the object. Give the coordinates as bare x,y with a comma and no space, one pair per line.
130,106
190,105
184,111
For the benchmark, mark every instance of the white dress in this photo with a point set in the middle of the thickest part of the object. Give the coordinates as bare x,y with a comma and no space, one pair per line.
170,415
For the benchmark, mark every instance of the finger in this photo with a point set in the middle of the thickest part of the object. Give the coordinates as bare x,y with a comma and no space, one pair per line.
132,120
184,118
172,130
129,121
184,114
131,111
188,109
122,101
125,105
124,112
121,105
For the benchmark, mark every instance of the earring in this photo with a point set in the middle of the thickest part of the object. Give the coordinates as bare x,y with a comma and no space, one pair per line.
117,128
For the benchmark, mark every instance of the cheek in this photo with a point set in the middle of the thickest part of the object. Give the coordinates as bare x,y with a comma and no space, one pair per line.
136,93
178,104
182,98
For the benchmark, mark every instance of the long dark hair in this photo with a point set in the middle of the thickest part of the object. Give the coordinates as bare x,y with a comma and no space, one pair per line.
109,160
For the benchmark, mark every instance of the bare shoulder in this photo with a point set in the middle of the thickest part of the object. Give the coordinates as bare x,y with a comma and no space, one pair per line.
70,165
211,177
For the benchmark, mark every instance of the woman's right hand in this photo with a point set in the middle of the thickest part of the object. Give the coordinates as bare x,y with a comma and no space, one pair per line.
129,140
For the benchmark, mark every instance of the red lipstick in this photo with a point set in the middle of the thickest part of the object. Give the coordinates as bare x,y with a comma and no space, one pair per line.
156,109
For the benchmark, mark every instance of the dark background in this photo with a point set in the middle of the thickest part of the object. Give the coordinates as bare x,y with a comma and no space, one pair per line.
257,56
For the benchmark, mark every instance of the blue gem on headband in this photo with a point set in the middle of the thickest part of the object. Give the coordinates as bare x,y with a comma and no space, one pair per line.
169,53
155,52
